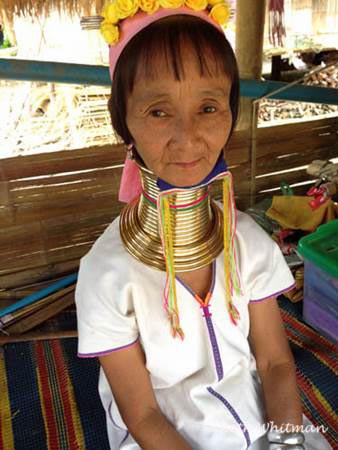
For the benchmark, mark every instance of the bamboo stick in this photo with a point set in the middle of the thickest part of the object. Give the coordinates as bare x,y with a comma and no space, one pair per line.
41,315
55,287
31,309
11,296
37,336
30,288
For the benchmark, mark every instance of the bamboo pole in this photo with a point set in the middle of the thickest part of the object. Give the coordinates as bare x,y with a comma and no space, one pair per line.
64,282
29,310
99,75
250,18
37,336
41,315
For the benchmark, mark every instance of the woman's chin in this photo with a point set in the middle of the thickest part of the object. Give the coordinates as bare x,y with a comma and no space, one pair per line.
184,181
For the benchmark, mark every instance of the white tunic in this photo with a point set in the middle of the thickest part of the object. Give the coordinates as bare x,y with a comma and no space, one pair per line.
206,385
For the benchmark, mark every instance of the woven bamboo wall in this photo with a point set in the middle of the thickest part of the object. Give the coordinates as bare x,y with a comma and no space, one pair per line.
53,206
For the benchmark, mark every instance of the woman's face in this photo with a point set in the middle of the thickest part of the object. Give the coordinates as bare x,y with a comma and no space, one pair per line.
180,127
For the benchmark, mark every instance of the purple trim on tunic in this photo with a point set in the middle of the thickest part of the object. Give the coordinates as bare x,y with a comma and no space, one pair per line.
210,326
233,413
117,426
106,352
274,295
214,344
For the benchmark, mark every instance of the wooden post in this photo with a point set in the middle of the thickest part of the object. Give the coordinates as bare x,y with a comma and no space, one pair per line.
250,18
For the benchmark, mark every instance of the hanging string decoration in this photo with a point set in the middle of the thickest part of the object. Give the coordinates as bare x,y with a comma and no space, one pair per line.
277,31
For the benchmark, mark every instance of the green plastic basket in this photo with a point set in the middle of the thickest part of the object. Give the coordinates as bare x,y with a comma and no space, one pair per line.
321,247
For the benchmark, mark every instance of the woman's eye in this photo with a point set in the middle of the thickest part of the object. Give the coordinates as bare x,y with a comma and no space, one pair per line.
208,108
157,113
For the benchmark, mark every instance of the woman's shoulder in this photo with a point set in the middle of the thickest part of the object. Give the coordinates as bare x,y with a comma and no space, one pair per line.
246,224
107,252
254,242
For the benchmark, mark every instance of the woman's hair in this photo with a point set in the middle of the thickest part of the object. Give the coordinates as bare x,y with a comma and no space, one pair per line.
164,37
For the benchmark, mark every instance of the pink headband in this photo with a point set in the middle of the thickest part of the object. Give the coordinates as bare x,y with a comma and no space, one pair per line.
130,186
132,25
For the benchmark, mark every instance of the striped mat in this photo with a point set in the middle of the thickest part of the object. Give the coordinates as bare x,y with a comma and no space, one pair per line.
49,398
317,369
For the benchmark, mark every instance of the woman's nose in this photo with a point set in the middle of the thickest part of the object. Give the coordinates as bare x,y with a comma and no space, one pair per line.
186,131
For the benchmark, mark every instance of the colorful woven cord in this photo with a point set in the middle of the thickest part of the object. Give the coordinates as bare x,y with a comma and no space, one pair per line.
231,276
170,295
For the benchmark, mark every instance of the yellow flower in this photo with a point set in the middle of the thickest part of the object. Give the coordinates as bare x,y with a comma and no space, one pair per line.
149,6
126,8
215,2
110,33
109,13
221,13
196,5
171,3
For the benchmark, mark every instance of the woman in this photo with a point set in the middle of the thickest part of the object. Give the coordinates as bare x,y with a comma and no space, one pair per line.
220,368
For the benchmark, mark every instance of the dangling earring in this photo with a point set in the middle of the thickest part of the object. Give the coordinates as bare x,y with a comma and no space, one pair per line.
130,153
130,186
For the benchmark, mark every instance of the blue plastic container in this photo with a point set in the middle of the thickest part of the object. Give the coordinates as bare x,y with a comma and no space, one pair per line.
320,306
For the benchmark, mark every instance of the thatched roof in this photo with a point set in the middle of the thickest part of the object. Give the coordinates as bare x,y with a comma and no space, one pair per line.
34,7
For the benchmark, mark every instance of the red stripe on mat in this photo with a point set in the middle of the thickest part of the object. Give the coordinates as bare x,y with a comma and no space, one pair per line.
327,435
63,383
307,388
48,409
307,331
320,355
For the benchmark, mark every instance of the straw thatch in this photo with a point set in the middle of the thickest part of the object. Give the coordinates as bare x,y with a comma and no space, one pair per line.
41,117
33,7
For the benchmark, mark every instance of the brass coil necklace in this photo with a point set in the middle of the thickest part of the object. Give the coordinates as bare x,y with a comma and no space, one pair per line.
196,221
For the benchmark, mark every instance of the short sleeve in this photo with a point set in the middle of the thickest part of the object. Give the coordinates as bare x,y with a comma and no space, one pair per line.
265,272
104,306
274,278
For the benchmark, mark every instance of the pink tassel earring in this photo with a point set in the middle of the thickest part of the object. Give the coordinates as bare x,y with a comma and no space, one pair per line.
130,186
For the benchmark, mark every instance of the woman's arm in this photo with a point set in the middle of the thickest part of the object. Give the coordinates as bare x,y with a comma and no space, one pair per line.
131,386
275,364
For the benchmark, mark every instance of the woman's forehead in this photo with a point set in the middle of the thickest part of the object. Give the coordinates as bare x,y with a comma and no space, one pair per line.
158,63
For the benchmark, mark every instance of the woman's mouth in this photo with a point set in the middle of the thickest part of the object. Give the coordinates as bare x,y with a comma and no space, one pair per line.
187,165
